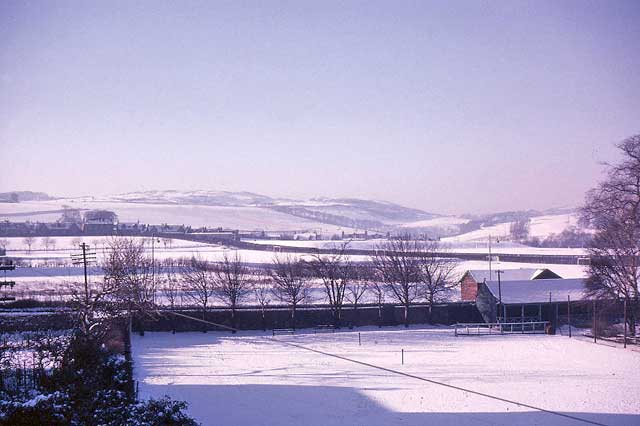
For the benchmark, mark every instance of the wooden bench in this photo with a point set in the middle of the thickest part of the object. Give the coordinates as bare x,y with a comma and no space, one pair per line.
324,328
283,331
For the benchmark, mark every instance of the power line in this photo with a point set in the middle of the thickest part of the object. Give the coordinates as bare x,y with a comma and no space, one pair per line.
401,373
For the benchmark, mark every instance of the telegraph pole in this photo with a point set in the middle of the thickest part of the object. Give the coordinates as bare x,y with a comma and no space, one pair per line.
569,312
84,259
490,277
500,272
5,283
153,265
625,322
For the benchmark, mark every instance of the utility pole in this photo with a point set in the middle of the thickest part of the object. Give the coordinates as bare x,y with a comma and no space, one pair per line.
83,259
490,277
595,332
625,321
504,316
153,265
569,313
5,283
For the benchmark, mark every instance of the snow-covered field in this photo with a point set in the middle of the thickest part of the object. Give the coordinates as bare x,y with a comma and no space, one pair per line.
53,283
437,222
254,379
540,226
235,217
480,246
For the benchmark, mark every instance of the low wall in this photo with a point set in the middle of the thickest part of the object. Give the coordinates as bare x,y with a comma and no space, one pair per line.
25,321
252,319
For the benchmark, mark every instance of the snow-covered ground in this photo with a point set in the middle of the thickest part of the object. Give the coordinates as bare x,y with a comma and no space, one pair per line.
52,283
446,245
540,226
235,217
18,244
437,222
254,379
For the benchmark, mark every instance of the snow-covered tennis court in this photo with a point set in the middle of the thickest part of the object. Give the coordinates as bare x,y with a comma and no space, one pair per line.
252,379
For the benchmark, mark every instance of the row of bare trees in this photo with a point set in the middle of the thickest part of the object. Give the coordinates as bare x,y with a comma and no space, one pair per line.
403,270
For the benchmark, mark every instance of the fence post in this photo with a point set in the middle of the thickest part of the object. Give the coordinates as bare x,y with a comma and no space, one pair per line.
595,332
359,341
402,356
569,313
625,322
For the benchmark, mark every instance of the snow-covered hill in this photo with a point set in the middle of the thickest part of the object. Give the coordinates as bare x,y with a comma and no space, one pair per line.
540,226
251,211
200,197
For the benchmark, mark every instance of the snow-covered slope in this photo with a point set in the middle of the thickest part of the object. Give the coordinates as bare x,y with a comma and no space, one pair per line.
236,217
201,197
540,227
228,209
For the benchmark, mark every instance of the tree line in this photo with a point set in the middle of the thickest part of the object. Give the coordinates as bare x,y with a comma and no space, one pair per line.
402,270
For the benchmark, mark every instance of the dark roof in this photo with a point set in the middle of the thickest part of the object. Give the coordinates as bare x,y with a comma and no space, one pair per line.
538,291
521,274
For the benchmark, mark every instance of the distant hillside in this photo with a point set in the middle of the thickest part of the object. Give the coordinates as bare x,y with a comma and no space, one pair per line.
203,198
18,196
347,212
248,210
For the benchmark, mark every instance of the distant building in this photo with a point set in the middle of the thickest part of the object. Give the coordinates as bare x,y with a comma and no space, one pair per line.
58,229
16,229
473,278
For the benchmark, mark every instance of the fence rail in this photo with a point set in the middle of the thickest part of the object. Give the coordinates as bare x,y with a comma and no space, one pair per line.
482,329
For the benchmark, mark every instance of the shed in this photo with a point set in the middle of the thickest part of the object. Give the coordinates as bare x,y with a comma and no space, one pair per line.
474,277
526,298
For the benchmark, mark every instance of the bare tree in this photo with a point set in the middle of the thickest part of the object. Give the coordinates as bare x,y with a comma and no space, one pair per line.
48,243
334,271
4,243
358,286
167,242
290,283
262,292
199,284
437,274
232,283
519,229
95,303
29,241
170,284
377,287
75,242
398,266
128,270
612,209
125,289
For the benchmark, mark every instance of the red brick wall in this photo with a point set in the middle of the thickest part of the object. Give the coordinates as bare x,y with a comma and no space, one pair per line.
469,288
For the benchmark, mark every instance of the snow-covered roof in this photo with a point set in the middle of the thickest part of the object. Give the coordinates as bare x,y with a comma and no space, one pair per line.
539,291
521,274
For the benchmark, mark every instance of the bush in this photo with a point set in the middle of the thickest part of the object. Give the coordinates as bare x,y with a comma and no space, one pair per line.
91,387
111,408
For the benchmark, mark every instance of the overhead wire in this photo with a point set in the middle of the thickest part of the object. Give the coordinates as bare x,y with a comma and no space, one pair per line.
404,374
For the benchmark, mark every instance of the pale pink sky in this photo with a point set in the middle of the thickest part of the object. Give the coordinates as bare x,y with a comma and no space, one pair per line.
446,106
